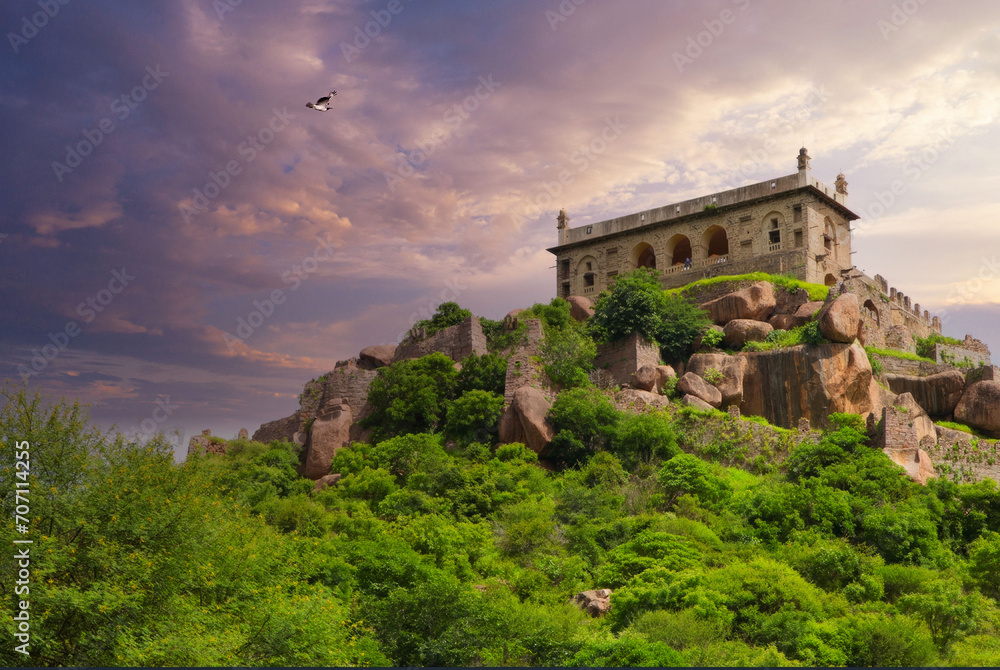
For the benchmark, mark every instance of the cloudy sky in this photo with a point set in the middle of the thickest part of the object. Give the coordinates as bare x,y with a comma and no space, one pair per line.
162,180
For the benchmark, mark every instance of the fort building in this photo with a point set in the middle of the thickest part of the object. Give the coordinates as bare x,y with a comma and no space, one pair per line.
793,225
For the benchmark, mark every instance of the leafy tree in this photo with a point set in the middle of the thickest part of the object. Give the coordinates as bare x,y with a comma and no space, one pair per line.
648,550
473,417
584,421
687,474
628,651
635,303
681,322
568,354
482,373
948,611
410,396
984,564
642,438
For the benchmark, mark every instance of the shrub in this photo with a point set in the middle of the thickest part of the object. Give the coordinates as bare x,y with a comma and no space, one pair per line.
568,355
473,417
926,345
687,474
584,421
447,314
482,373
712,338
410,396
634,304
681,323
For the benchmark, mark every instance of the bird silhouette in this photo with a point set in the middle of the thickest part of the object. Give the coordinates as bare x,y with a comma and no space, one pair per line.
323,104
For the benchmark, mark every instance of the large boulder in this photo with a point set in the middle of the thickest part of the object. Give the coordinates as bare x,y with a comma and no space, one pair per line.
696,402
663,374
524,420
326,436
740,331
916,417
636,401
807,382
840,319
754,302
730,367
980,407
916,462
326,481
937,394
595,603
580,308
800,317
788,302
692,384
379,355
644,378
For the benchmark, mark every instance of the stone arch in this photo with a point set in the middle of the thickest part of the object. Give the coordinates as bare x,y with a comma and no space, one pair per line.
715,241
586,269
643,256
830,280
679,249
873,311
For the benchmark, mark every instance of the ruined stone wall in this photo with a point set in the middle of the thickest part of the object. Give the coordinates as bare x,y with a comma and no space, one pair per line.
522,370
900,366
623,357
456,342
959,355
280,429
963,458
889,318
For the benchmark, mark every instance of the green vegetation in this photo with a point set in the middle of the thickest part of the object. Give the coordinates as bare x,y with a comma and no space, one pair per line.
780,339
447,314
440,548
895,353
926,345
817,292
956,426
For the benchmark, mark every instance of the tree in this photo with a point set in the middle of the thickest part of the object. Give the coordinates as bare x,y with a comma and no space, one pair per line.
584,421
634,304
686,474
681,322
473,417
410,396
482,373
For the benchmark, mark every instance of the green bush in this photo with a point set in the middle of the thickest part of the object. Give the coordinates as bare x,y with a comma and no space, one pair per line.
644,438
410,396
585,421
448,314
482,373
926,345
634,304
473,417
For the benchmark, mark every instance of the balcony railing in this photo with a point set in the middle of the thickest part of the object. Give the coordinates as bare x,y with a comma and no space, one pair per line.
774,247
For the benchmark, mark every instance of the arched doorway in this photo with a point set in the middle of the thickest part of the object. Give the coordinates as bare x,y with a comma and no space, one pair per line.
830,280
679,249
716,242
643,256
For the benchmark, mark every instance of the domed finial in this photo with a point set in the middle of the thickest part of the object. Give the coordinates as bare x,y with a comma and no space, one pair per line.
563,219
803,159
841,184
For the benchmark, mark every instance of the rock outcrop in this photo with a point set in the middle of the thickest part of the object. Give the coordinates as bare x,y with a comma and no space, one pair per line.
740,331
524,420
937,394
731,368
330,432
379,355
663,374
692,384
840,319
634,400
644,378
696,402
754,302
581,308
327,481
596,603
807,382
800,317
980,407
916,462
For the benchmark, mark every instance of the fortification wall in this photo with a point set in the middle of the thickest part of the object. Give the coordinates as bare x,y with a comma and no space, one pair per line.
456,342
792,263
960,355
623,357
521,369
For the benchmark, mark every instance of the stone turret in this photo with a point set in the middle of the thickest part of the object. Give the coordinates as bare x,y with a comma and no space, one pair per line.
562,225
804,167
841,184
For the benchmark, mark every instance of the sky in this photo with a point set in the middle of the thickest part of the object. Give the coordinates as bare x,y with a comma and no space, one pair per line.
183,244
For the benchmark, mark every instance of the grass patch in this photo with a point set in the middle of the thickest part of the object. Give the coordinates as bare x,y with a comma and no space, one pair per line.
893,353
817,292
780,339
956,426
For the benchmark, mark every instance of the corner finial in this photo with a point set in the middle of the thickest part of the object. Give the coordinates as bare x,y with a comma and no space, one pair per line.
841,184
563,219
804,159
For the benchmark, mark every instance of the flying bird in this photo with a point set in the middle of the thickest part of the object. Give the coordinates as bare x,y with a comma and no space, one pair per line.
323,104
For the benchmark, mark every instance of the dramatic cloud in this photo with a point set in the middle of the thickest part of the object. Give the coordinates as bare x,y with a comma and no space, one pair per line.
170,140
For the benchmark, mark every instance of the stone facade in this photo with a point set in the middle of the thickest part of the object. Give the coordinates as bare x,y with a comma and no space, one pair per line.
792,225
621,358
889,318
455,342
971,352
521,369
